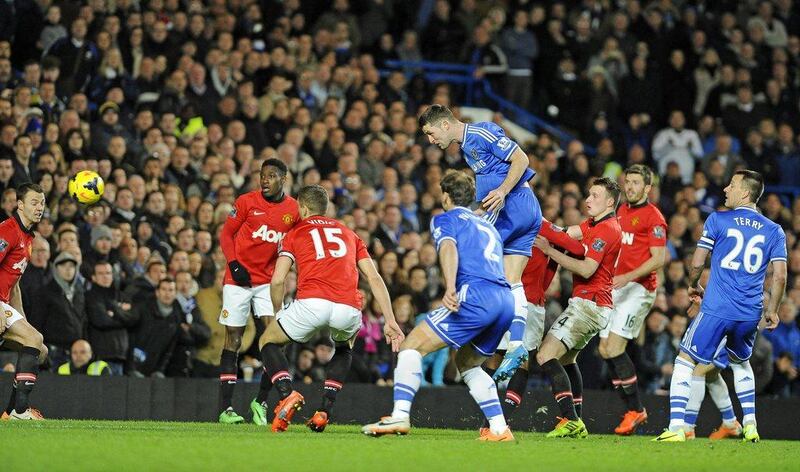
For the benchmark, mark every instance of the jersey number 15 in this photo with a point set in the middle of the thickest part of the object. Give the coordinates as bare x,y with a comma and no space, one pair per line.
331,237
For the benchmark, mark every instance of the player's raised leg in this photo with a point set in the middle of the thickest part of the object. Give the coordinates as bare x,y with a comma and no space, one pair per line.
276,367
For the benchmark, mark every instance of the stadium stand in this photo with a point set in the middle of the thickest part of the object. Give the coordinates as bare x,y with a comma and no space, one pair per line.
177,104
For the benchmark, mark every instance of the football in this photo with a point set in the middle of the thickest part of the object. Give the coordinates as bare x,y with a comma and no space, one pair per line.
86,187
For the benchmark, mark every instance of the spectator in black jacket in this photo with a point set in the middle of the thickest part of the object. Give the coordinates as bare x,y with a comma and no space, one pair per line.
145,285
193,332
110,317
100,250
157,334
37,274
59,313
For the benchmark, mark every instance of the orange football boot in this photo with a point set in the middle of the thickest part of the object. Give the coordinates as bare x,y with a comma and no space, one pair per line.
630,422
724,432
285,410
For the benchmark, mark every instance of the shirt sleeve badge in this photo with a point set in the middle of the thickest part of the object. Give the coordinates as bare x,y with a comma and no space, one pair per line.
598,245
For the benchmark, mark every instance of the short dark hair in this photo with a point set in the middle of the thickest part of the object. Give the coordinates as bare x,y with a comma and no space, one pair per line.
434,115
276,163
315,198
643,170
27,187
165,280
754,182
460,187
612,188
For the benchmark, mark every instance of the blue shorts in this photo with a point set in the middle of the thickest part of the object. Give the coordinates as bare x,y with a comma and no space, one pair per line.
721,360
484,315
518,222
704,336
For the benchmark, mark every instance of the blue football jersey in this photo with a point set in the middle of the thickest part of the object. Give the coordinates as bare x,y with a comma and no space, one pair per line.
742,243
480,250
488,152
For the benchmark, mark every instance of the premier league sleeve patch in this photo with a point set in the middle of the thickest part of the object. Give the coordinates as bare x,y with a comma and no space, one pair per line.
658,232
598,245
3,245
232,214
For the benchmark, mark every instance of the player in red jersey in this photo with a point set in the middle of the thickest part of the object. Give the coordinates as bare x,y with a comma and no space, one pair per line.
590,306
328,256
643,252
16,244
250,240
536,279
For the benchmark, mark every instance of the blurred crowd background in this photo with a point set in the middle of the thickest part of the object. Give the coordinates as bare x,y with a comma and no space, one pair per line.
177,102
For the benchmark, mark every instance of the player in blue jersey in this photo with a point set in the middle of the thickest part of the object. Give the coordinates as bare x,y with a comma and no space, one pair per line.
502,173
478,309
742,243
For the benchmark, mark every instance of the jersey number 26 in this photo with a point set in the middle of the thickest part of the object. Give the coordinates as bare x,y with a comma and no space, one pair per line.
753,255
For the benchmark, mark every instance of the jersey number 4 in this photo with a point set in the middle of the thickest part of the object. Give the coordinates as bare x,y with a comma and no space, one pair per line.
753,255
331,237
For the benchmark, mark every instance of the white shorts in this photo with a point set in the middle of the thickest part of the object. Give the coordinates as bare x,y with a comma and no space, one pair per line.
534,330
579,323
632,303
303,318
237,301
11,314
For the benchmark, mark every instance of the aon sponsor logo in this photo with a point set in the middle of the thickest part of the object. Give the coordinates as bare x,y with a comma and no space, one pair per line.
268,235
627,238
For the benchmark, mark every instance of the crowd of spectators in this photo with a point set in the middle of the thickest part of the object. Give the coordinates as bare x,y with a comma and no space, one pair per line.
177,103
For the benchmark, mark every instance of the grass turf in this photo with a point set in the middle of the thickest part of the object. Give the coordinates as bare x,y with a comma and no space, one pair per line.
56,445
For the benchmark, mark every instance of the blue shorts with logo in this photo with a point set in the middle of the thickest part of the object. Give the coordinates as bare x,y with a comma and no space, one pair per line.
518,222
483,317
702,341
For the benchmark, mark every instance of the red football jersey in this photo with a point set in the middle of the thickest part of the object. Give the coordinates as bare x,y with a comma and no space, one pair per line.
253,232
602,240
643,226
326,254
16,244
539,272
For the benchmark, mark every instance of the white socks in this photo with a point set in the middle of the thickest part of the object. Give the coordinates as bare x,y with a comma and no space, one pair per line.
745,386
695,400
407,377
680,389
718,390
484,391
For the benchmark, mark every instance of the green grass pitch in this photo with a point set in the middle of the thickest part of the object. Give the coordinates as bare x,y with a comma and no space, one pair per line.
117,446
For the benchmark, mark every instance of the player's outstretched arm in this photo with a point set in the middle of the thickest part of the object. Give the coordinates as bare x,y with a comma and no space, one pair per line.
519,163
696,270
583,267
561,239
276,286
391,330
777,290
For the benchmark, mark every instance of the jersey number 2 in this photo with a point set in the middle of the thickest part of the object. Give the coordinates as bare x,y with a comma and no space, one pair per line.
488,251
753,255
331,236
